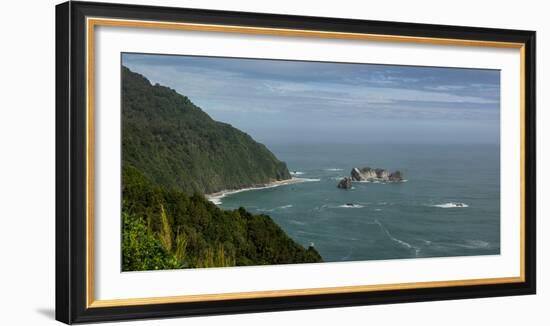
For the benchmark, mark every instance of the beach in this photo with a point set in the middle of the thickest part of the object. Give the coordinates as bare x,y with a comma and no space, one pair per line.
217,196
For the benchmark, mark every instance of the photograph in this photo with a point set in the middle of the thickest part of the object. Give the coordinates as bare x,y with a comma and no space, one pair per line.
226,160
230,162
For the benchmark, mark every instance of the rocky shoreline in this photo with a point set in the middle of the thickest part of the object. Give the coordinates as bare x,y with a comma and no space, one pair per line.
368,174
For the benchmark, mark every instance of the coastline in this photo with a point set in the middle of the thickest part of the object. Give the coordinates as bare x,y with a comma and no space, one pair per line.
216,197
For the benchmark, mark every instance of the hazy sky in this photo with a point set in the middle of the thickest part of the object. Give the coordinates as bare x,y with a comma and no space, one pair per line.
281,101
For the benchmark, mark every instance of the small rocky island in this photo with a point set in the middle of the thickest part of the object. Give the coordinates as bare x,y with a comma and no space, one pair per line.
367,174
345,183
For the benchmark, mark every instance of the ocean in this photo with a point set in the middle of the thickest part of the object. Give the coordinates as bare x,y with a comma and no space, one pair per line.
449,204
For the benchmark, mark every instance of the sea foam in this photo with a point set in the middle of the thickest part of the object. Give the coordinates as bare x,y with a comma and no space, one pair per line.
474,244
351,206
451,205
394,239
272,209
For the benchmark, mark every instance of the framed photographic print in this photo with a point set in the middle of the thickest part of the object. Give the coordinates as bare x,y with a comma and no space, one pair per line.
215,162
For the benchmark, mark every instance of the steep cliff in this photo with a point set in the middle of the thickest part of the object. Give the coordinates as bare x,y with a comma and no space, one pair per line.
173,153
177,145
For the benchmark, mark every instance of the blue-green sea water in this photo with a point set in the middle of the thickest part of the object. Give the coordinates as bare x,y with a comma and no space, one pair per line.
416,218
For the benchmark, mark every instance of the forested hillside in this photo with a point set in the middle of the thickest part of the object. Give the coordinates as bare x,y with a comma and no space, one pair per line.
177,145
174,153
165,229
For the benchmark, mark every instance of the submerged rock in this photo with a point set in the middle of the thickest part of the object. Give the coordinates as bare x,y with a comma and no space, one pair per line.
345,183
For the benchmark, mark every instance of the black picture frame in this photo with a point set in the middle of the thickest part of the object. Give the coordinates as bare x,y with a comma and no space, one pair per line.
71,157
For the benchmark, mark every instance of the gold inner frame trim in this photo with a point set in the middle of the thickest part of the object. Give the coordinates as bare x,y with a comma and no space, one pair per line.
92,22
301,292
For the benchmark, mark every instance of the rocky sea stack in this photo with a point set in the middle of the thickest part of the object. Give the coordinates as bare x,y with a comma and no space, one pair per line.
367,174
345,183
372,174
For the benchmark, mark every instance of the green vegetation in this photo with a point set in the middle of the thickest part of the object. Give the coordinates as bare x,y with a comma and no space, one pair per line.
173,153
166,229
141,250
177,145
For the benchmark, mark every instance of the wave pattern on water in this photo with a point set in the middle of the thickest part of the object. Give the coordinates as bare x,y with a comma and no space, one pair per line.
473,244
414,219
401,242
275,208
470,245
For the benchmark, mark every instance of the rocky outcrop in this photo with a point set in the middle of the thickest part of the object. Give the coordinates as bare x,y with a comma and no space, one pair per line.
370,174
363,174
345,183
396,176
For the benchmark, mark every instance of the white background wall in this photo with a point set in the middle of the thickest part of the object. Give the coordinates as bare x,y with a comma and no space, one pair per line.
27,162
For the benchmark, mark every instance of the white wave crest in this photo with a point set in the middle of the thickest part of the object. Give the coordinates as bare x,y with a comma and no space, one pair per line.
334,169
466,244
351,206
272,209
307,180
474,244
297,222
451,205
215,200
296,172
426,242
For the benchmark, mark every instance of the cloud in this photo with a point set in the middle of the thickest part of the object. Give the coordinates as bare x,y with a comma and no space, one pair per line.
258,93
